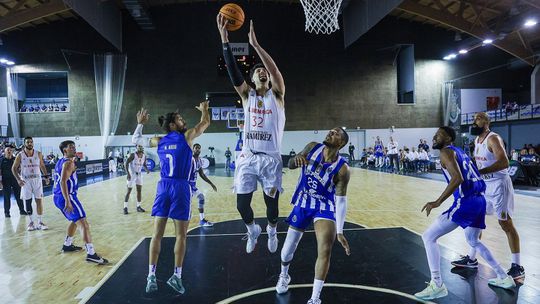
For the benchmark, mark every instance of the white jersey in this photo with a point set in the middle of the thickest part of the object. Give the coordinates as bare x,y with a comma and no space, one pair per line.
265,122
137,164
30,165
485,158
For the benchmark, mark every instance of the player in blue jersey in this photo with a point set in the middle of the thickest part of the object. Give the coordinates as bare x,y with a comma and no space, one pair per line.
467,211
65,199
173,195
320,198
197,171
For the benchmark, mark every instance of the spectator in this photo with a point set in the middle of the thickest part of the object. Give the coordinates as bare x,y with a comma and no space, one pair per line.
363,157
514,155
393,154
402,159
351,151
8,182
292,153
413,156
370,158
228,155
423,160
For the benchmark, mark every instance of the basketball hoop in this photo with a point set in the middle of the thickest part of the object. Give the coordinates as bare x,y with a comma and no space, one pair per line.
321,15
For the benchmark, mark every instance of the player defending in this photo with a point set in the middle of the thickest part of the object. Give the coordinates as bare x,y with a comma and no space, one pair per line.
320,198
260,159
173,196
26,170
492,161
196,171
467,211
134,165
65,199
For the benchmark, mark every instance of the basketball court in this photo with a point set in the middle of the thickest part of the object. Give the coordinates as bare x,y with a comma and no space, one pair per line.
80,71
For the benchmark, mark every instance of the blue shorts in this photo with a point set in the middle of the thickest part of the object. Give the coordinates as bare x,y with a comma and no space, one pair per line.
379,154
78,210
301,218
173,199
469,212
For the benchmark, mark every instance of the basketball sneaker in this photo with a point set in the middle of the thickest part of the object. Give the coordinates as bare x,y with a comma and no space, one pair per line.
465,262
272,241
95,258
42,226
516,271
125,210
176,284
205,223
282,285
31,227
506,283
252,239
71,248
314,301
140,209
432,292
151,284
22,212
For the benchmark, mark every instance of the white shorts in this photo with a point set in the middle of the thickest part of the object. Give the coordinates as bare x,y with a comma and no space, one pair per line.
136,179
263,168
500,198
32,187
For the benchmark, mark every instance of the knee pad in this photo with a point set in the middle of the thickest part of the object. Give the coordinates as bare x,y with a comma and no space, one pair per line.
201,200
290,244
272,210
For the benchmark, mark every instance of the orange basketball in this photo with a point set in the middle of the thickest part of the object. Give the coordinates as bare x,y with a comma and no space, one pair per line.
234,14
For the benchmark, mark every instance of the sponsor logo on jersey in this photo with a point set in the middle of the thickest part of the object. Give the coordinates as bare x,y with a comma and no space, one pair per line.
294,218
260,103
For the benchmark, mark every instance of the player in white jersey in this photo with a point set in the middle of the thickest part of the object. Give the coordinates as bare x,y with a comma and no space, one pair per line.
260,159
27,169
492,162
134,165
197,171
320,198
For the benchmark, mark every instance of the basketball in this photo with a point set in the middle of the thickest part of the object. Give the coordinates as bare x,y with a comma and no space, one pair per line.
234,14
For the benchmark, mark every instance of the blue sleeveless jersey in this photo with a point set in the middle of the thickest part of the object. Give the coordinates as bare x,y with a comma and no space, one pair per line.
175,156
472,183
378,149
72,182
316,189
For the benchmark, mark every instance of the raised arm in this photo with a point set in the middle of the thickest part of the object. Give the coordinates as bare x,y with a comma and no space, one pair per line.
202,125
142,118
496,146
237,79
300,159
278,85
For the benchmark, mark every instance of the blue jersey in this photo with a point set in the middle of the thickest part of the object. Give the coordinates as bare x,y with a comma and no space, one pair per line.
472,184
316,188
72,182
175,156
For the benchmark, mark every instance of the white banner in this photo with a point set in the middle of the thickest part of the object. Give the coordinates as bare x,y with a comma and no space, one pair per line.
239,49
3,111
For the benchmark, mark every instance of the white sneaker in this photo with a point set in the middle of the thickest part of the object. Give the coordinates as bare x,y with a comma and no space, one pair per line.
314,301
282,285
42,226
506,283
31,227
432,292
252,239
272,241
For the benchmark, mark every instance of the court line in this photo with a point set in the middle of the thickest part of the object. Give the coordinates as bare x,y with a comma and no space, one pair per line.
326,285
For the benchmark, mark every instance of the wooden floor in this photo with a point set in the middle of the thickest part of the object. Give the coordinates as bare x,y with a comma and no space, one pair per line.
33,270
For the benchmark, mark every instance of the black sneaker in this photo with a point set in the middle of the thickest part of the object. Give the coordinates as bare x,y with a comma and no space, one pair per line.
465,262
22,212
140,209
7,214
516,271
71,248
95,258
125,210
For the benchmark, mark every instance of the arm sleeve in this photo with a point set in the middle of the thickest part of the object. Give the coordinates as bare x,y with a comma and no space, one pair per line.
341,211
234,72
137,138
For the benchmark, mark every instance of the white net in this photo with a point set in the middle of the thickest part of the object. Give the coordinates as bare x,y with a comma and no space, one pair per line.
321,15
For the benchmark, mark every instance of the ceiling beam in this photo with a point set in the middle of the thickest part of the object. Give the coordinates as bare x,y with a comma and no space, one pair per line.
16,7
19,18
515,49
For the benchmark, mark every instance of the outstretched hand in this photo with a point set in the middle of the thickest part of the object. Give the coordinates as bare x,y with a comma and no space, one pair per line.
203,106
344,243
251,35
142,116
430,206
222,27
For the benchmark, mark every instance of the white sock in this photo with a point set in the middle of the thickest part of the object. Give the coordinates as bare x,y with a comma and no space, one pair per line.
151,270
138,204
90,248
68,241
39,219
436,277
317,287
472,253
178,272
515,258
271,230
285,269
201,216
473,238
125,204
251,227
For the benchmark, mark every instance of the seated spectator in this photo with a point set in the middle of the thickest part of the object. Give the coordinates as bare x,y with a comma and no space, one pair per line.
363,157
370,158
292,153
514,155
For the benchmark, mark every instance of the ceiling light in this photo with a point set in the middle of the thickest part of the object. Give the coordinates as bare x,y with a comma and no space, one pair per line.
446,57
3,60
487,41
452,56
10,63
530,22
463,51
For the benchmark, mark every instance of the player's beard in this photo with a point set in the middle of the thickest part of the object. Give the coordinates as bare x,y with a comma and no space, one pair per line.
437,146
476,130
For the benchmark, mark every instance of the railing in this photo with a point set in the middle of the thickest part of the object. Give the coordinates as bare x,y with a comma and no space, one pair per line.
523,112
